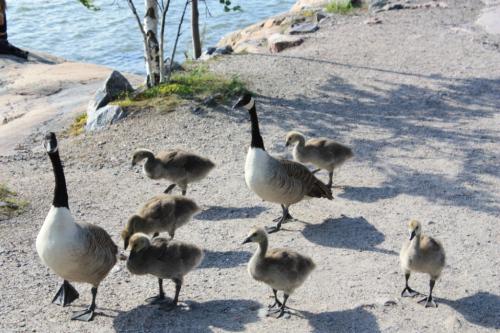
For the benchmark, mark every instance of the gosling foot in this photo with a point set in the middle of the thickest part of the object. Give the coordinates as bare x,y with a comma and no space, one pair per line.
408,292
429,302
156,299
276,303
65,295
169,188
85,315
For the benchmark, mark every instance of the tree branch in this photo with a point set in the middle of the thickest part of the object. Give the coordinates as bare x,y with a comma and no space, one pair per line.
176,41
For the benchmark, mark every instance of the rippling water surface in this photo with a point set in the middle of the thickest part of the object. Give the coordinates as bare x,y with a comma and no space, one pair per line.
111,37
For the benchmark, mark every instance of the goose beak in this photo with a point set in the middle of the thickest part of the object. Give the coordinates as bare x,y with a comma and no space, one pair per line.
412,234
247,240
238,103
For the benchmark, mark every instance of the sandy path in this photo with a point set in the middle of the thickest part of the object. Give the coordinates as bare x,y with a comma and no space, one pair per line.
417,99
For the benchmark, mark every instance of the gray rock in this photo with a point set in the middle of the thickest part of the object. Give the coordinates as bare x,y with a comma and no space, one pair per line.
303,28
115,85
210,50
377,5
103,117
280,42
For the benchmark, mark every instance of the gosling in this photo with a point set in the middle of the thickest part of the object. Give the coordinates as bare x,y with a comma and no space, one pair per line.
323,153
280,269
178,166
165,259
422,254
162,212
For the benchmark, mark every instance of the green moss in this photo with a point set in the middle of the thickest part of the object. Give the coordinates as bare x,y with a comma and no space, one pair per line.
78,125
10,204
342,6
195,83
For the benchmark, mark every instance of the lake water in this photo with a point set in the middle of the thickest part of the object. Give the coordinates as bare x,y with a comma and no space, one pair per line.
111,37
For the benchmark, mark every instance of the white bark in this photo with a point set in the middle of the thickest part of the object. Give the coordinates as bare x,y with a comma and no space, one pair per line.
152,48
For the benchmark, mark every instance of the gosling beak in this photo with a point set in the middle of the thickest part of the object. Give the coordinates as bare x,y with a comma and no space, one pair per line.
412,234
287,144
125,242
133,163
247,240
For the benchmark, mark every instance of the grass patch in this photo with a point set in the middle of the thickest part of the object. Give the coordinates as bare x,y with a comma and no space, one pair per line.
10,204
342,7
78,125
195,83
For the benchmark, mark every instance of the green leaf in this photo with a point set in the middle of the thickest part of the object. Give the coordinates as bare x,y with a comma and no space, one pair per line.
237,8
89,4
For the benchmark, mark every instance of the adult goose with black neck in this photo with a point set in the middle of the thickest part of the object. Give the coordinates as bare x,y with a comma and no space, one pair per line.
77,252
273,179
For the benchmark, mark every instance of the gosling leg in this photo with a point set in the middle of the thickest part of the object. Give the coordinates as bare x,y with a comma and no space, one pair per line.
429,302
283,306
173,305
330,176
314,171
169,188
276,300
156,234
161,295
410,292
280,220
88,314
65,295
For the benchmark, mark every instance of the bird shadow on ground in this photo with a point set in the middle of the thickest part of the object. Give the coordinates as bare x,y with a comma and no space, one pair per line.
368,194
353,320
481,309
346,232
218,213
225,259
228,315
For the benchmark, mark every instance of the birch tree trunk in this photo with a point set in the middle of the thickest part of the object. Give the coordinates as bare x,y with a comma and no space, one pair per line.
152,48
195,29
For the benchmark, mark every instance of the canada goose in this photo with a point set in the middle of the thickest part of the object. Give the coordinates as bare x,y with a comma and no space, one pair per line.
78,252
163,258
162,212
280,269
421,254
321,152
177,166
277,180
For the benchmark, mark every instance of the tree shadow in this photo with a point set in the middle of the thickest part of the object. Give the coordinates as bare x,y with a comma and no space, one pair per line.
353,233
481,309
218,213
353,320
229,315
225,259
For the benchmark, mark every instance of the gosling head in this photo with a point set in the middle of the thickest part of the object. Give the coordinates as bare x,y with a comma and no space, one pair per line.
414,228
293,137
50,142
131,228
138,242
246,101
256,235
141,154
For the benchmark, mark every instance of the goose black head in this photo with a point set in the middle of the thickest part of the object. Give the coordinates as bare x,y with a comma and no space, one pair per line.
246,101
50,142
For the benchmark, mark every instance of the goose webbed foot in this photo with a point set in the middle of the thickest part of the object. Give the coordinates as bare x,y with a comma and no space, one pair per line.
85,315
65,295
408,292
429,302
156,299
281,310
169,188
169,306
285,219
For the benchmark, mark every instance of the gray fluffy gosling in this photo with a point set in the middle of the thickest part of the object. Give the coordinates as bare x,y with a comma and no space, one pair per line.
162,212
77,252
323,153
280,269
422,254
273,179
178,166
165,259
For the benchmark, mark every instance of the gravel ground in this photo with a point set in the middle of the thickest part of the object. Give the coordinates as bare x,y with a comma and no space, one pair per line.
417,97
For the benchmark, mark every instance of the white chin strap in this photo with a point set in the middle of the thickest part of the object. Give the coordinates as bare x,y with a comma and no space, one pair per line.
250,104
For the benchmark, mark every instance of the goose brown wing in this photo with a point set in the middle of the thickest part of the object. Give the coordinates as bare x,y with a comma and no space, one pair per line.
312,186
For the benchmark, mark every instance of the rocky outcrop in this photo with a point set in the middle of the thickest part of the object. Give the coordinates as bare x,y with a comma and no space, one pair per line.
279,42
103,117
99,114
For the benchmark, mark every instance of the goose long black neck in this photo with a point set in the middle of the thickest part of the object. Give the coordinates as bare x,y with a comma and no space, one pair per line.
257,141
60,190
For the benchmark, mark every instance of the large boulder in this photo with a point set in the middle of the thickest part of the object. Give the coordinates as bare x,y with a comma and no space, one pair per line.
279,42
114,86
103,117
